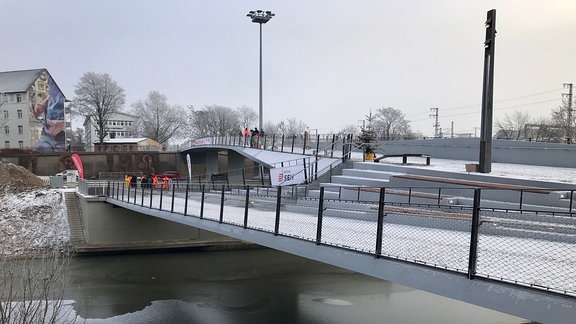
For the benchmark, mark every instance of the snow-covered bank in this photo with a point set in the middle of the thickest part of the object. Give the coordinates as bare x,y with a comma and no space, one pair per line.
32,216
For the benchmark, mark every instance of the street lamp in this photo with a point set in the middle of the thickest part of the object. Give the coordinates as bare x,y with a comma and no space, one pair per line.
260,17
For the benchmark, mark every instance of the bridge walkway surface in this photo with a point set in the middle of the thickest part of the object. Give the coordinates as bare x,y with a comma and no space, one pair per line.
461,253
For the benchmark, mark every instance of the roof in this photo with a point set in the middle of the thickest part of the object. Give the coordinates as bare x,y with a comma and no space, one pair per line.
18,81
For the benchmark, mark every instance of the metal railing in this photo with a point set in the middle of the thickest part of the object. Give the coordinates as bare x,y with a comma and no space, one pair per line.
526,247
326,145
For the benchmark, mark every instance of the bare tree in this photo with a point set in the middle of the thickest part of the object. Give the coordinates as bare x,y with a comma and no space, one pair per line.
157,119
247,116
391,124
97,97
292,127
513,126
213,120
563,117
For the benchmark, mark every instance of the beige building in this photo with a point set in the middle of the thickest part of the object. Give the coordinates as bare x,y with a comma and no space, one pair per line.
131,144
119,126
32,112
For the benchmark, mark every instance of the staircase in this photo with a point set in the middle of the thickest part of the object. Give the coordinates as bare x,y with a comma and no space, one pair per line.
74,219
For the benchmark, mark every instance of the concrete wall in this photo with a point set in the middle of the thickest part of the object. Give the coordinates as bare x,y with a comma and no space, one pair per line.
105,224
503,151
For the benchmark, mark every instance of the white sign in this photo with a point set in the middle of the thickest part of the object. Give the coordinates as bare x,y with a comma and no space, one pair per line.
287,176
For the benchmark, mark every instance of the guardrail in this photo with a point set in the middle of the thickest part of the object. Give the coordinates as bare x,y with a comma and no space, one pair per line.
531,248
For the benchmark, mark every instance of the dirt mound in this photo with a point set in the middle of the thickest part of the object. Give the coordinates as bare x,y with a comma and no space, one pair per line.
16,179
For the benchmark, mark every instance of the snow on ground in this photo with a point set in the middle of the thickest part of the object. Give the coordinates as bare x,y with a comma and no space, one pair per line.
33,221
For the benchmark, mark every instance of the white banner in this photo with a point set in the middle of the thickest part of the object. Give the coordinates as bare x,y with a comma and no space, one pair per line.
189,166
201,141
287,176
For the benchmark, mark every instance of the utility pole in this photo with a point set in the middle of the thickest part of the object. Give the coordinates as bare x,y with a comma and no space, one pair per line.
569,110
437,130
488,94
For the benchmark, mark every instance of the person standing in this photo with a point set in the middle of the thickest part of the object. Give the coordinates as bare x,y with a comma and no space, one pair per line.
154,181
165,182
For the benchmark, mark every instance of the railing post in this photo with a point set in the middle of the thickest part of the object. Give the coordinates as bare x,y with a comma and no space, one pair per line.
409,196
123,186
222,205
439,195
142,199
151,194
305,170
203,188
278,205
521,198
186,201
472,258
246,205
273,141
332,146
282,144
161,197
571,197
293,138
380,224
320,214
173,194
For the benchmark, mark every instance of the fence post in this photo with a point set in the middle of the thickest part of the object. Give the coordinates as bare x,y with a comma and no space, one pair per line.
439,195
172,204
571,197
474,235
320,214
222,205
186,201
246,205
380,228
278,205
151,194
203,187
142,200
521,198
161,198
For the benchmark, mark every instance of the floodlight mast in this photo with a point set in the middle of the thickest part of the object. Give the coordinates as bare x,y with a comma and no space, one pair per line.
260,17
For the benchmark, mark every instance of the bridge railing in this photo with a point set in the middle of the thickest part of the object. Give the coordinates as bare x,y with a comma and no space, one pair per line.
523,246
327,145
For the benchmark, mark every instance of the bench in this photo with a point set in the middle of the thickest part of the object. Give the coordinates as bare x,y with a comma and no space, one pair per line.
404,157
472,183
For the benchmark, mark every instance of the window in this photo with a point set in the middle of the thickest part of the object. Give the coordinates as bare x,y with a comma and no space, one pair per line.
18,97
20,144
6,130
19,113
5,113
7,144
20,129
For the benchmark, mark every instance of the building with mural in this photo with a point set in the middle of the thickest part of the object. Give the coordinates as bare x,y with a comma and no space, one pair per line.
32,114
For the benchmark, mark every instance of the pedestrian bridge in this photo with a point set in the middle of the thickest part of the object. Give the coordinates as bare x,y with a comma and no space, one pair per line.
476,254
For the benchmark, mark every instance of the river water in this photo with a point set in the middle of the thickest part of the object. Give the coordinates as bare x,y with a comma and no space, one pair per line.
248,286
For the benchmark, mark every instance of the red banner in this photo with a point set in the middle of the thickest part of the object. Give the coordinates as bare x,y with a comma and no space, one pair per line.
78,164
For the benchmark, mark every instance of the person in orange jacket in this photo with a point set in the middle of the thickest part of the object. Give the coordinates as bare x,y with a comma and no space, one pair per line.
154,181
165,182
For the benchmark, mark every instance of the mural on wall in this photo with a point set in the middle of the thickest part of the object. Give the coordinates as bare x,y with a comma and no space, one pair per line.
47,107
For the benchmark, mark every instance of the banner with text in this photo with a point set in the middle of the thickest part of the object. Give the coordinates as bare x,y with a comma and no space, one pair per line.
289,175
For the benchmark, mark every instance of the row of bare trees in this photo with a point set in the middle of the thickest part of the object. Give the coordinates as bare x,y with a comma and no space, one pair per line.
98,97
519,125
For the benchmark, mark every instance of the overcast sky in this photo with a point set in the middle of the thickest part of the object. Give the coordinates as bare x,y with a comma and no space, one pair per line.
326,63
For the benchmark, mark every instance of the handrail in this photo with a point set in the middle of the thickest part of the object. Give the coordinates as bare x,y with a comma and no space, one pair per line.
476,240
